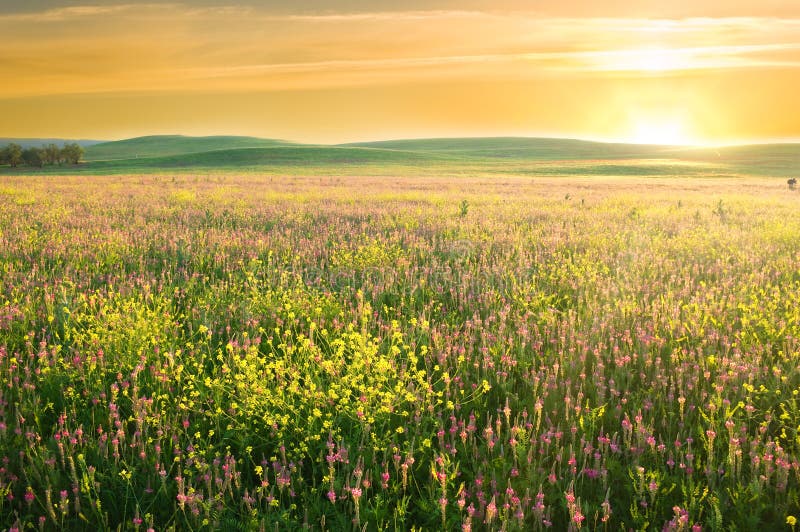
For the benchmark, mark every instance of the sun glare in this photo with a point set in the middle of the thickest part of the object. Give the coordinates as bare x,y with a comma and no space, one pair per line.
666,132
657,60
652,60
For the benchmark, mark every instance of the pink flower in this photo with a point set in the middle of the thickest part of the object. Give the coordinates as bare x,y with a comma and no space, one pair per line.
491,511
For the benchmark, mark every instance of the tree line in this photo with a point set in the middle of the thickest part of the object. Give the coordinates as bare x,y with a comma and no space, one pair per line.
14,155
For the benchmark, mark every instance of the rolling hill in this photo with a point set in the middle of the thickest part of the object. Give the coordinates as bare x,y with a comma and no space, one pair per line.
522,148
489,156
273,156
166,145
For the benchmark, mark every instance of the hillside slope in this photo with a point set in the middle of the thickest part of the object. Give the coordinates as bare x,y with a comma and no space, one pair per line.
166,145
500,156
523,148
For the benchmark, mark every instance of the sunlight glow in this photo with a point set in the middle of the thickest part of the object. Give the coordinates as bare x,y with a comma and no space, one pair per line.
670,132
649,71
650,59
659,60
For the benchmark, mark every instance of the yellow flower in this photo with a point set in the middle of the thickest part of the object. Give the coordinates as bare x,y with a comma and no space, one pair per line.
791,520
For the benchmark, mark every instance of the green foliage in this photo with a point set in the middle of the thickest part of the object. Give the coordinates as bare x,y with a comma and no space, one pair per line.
51,154
33,157
11,155
72,153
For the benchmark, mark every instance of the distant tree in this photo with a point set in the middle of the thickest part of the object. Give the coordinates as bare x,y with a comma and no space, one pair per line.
792,183
12,155
72,153
51,154
33,157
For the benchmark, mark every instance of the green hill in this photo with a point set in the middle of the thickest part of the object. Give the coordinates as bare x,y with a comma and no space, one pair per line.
165,145
275,156
523,148
549,156
759,159
457,156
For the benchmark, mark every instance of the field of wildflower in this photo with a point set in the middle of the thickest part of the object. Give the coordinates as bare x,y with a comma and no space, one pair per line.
286,353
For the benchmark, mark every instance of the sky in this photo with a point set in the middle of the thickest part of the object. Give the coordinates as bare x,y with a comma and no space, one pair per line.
329,71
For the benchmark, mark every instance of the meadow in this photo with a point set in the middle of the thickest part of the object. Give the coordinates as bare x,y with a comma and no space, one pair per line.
455,157
239,351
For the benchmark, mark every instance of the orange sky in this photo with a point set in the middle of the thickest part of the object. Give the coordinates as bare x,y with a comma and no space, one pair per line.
335,71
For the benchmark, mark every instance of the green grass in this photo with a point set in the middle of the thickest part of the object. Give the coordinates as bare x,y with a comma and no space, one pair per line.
458,157
523,148
288,155
281,159
757,159
167,145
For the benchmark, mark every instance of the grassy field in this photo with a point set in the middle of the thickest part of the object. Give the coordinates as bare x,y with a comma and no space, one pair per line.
227,352
424,157
171,145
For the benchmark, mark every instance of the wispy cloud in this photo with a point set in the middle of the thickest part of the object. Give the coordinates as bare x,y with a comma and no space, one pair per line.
375,16
570,66
645,59
175,46
650,60
64,14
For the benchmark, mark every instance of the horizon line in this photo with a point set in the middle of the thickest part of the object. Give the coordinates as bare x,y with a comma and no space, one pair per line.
598,140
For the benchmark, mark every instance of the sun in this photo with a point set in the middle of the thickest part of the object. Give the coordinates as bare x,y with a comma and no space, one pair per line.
658,133
668,131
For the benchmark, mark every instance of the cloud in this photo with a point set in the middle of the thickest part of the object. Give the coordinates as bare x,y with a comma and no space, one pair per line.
177,46
377,16
65,14
645,60
650,60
